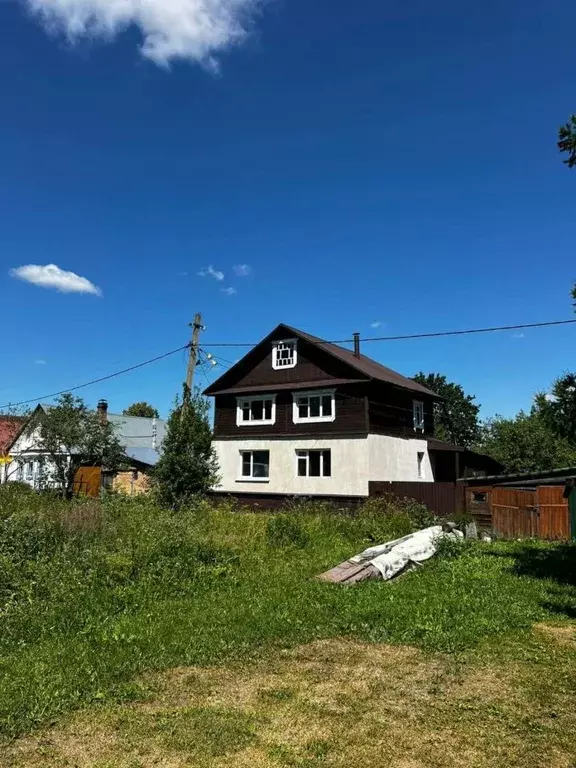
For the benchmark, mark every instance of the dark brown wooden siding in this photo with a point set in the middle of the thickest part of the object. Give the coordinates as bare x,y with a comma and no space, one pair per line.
350,417
444,499
314,364
390,411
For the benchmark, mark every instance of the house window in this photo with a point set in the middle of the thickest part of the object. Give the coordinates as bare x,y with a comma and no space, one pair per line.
29,471
479,497
255,465
284,354
256,410
418,411
314,463
314,406
420,459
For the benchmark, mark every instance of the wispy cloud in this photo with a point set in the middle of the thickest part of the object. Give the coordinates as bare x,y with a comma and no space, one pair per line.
39,362
230,291
518,335
195,30
211,272
242,270
376,324
51,276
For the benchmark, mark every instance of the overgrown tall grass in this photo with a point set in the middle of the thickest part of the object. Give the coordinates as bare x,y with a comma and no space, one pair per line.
92,593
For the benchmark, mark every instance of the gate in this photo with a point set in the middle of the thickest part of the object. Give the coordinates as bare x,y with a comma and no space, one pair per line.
536,512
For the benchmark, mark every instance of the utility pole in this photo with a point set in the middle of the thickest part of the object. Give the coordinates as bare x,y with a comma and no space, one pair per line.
192,358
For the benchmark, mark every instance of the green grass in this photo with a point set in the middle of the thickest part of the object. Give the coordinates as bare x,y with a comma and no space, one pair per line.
92,595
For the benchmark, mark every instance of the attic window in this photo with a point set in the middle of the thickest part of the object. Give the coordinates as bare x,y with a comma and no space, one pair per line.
418,410
284,354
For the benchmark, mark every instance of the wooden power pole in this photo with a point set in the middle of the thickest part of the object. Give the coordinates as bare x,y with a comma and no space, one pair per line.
192,358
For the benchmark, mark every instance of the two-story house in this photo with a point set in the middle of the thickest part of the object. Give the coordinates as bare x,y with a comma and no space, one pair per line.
300,416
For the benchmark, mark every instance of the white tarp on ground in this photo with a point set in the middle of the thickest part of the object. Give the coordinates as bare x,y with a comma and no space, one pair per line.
394,556
391,558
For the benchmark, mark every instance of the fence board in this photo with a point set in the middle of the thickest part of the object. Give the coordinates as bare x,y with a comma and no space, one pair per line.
444,499
524,513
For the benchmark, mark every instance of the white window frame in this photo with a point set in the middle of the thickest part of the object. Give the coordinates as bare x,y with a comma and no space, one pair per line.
297,419
418,415
250,478
254,422
302,453
275,347
420,458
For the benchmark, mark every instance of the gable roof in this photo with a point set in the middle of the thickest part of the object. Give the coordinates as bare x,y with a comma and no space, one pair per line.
10,426
363,365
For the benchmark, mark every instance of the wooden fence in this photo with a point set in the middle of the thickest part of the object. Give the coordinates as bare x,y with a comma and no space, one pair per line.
536,512
445,499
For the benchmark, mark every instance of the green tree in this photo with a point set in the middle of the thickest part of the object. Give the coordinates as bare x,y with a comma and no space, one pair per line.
141,409
558,407
68,436
188,464
567,141
456,418
525,443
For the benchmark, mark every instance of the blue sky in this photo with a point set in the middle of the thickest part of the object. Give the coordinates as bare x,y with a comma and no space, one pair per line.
375,162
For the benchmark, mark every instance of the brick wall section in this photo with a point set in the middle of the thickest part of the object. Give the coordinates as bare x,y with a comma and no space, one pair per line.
131,483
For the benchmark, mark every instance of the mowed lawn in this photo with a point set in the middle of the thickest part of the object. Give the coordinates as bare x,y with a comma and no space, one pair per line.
132,636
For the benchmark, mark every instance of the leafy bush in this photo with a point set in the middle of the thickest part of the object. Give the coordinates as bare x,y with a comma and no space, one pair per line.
286,531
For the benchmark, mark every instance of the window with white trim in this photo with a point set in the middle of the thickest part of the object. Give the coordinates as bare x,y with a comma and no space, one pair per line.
420,460
29,471
418,410
314,406
260,409
284,354
255,465
314,463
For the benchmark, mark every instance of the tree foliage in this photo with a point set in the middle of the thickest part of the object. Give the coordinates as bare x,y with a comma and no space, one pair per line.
567,141
69,436
143,409
525,443
188,465
558,407
456,418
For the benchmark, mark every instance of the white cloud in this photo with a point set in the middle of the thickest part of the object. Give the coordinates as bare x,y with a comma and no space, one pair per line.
51,276
229,291
196,30
39,362
211,272
242,270
376,324
518,336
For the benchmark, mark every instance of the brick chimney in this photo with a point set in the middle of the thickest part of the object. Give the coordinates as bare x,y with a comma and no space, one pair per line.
102,410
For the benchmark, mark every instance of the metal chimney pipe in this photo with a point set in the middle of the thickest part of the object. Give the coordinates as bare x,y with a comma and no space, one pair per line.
356,345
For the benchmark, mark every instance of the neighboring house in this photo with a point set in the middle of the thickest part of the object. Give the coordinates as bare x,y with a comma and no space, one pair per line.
10,426
141,438
300,416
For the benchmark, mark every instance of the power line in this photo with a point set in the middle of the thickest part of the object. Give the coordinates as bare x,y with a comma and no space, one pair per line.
95,381
437,334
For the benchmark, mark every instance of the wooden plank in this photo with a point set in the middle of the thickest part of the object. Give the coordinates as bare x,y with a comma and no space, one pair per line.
553,513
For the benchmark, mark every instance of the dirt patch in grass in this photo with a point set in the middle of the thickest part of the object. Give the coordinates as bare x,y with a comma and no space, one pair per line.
564,635
330,704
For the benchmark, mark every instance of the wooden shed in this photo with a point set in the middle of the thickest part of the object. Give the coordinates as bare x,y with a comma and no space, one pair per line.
539,504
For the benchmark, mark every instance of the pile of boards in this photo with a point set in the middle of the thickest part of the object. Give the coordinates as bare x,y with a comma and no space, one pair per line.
386,561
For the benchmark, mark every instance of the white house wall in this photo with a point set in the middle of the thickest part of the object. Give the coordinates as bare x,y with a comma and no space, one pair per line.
355,462
349,467
396,460
25,448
